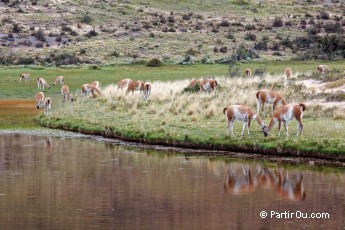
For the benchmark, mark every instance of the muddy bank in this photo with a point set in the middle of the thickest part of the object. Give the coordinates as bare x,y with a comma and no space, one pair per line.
290,156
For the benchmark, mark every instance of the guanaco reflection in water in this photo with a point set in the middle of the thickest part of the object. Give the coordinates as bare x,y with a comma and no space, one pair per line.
285,187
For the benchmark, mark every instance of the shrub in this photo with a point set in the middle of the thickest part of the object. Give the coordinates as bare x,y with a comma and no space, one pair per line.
260,71
171,19
215,29
16,28
229,35
63,59
39,45
198,26
287,42
323,15
91,33
250,36
224,23
39,35
186,17
224,49
86,18
115,54
261,45
192,52
233,70
275,46
313,31
58,39
25,61
250,27
278,22
333,27
154,62
82,51
13,3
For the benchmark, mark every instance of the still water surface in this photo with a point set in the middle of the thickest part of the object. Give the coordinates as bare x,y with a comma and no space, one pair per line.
71,183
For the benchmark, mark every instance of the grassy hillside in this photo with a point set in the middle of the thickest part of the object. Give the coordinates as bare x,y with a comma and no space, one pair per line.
61,32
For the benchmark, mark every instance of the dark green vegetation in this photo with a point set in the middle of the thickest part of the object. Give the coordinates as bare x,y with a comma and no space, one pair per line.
135,31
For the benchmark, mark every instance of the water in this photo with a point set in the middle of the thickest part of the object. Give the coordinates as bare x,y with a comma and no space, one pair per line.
75,183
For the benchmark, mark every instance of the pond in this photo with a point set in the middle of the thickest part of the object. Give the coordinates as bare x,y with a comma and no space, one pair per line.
63,182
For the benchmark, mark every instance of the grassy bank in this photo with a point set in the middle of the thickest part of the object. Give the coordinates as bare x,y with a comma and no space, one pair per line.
171,117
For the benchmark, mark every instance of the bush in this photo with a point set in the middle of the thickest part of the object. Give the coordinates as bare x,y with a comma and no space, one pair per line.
224,23
25,61
16,28
63,59
224,49
278,22
86,18
261,45
275,46
250,36
233,70
250,27
82,51
323,15
154,62
333,28
39,35
92,33
58,39
260,71
186,17
287,42
192,52
39,45
115,54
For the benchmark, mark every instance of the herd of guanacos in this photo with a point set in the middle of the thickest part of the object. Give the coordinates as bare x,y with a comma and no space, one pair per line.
283,114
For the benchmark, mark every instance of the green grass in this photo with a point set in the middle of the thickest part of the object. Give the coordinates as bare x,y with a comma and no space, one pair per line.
165,119
75,77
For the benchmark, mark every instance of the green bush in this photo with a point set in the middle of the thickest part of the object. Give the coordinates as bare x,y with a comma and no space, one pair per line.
154,62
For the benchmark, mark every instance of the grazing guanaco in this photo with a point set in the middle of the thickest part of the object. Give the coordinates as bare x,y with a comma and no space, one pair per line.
241,113
41,83
39,99
92,88
247,72
123,83
147,90
322,69
208,85
288,72
24,77
60,80
194,82
66,95
96,84
47,104
135,86
285,114
269,97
